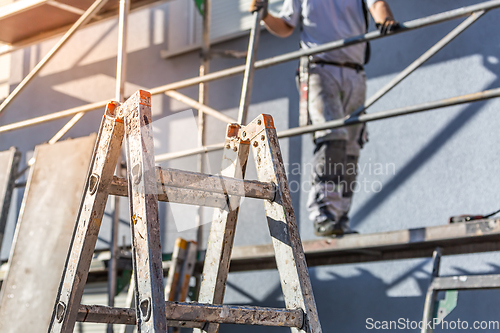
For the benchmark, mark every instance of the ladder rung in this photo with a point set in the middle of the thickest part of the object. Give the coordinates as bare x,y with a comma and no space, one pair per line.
216,184
108,315
119,187
226,314
466,282
168,179
188,314
105,314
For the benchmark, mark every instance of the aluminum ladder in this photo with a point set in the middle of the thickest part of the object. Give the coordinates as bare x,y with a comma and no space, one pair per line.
145,185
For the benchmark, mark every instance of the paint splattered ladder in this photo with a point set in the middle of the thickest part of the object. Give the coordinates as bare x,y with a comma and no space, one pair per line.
147,184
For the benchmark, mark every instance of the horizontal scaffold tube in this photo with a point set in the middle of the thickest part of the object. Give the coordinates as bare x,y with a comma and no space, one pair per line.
348,121
410,25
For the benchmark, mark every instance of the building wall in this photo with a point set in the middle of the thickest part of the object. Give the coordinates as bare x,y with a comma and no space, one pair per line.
416,170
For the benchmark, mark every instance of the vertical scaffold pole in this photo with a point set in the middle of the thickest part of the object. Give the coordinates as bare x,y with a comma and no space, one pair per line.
121,71
246,89
430,298
203,99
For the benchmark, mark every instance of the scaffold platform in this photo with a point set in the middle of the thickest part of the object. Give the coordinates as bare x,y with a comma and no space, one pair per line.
461,238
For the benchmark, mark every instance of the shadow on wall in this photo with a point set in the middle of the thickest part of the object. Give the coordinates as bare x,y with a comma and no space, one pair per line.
346,303
421,157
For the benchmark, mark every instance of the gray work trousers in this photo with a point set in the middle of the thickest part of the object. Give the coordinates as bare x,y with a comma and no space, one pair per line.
334,92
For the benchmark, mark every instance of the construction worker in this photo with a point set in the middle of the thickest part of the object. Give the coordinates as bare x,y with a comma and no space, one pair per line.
337,87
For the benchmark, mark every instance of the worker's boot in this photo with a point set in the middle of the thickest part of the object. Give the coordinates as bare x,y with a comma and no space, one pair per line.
346,228
327,225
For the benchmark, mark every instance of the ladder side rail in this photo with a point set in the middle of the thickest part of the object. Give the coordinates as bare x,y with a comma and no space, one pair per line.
88,222
290,258
145,227
221,237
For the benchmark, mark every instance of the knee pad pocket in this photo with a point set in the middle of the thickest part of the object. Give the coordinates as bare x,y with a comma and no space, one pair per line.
329,161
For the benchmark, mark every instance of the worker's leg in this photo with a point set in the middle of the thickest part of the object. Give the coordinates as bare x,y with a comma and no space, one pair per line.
325,198
354,86
325,203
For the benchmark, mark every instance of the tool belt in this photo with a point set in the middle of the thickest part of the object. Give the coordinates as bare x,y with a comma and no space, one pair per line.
354,66
303,75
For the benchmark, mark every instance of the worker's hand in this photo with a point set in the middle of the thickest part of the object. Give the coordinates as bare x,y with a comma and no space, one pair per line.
257,5
389,25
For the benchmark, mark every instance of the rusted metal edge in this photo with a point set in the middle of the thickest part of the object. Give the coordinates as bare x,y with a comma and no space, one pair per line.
188,314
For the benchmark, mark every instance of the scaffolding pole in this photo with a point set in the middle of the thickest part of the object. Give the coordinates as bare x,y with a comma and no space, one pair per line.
348,121
202,107
203,100
246,88
418,23
420,61
410,25
121,78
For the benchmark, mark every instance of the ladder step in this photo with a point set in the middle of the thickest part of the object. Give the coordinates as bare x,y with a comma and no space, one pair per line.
216,184
177,183
193,314
119,187
105,314
466,282
108,315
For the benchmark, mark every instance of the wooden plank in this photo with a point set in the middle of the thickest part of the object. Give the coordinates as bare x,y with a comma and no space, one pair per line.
43,234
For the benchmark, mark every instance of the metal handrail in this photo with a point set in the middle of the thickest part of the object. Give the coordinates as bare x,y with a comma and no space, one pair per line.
349,121
407,26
